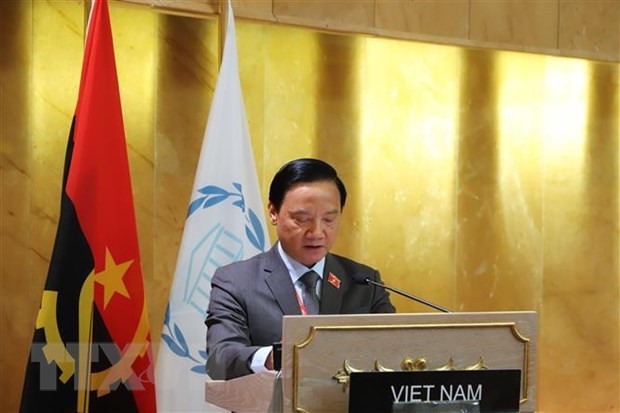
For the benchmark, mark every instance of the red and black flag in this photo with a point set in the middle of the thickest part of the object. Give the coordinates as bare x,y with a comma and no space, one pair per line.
91,350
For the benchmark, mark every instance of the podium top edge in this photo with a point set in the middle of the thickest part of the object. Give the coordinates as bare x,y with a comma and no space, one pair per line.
425,314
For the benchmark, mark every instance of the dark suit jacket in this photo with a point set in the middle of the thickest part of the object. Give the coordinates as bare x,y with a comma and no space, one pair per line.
249,298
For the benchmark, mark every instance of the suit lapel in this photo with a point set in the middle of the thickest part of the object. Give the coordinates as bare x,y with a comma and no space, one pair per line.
335,283
279,282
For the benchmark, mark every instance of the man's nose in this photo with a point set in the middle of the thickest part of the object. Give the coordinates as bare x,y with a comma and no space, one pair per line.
315,227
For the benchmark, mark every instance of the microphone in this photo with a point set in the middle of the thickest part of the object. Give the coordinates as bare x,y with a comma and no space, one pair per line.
362,279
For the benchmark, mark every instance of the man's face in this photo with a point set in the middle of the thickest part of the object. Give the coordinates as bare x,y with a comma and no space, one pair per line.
307,223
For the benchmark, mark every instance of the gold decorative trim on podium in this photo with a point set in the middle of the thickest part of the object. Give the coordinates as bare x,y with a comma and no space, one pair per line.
343,376
419,363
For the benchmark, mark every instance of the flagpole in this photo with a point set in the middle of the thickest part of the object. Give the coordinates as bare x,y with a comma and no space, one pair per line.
85,334
88,11
86,298
222,26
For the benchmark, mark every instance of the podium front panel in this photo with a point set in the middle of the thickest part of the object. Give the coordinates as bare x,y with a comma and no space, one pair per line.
320,352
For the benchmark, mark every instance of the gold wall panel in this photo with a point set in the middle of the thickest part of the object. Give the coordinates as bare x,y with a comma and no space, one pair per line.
17,304
481,180
581,218
407,144
186,70
53,99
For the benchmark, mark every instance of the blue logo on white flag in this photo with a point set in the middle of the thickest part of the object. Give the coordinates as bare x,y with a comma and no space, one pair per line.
213,195
176,342
219,246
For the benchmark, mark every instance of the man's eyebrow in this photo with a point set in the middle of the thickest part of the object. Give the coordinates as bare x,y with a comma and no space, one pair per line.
300,212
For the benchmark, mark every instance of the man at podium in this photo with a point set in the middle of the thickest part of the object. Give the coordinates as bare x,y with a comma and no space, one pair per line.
298,275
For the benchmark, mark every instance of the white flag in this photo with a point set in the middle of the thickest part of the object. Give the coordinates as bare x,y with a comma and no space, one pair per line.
225,223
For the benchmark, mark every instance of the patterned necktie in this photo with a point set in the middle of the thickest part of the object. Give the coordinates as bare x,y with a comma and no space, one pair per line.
308,293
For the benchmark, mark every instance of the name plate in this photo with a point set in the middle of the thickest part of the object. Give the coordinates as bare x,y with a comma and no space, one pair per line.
493,390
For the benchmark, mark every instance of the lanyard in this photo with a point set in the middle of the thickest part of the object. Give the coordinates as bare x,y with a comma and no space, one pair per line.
302,306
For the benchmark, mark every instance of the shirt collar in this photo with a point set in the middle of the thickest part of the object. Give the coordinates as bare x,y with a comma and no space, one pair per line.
297,269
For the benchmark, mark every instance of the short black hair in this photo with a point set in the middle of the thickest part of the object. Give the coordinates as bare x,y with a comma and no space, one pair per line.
303,170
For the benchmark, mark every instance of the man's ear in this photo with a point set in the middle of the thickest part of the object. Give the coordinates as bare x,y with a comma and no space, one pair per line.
273,214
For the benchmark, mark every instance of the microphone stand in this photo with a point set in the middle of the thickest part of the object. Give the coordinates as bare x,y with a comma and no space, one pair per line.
412,297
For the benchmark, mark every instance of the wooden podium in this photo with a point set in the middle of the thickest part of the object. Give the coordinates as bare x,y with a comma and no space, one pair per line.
320,352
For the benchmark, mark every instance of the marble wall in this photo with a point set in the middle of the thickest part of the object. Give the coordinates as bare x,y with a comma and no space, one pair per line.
482,180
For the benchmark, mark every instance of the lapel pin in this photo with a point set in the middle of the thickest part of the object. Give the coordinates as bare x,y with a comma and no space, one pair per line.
333,280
